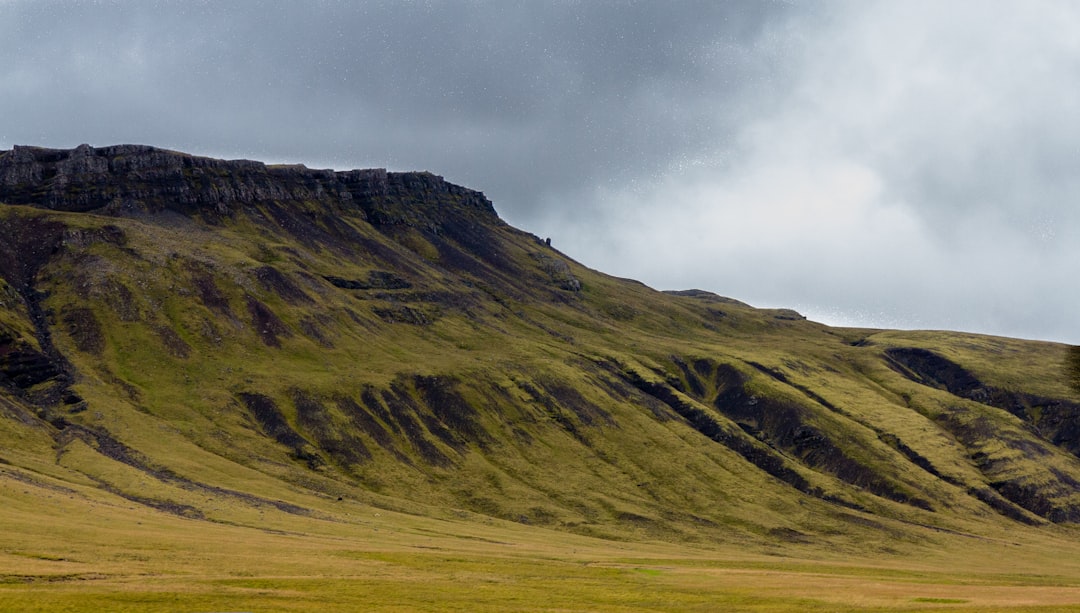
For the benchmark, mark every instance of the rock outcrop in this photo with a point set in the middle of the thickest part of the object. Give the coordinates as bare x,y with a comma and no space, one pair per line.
134,179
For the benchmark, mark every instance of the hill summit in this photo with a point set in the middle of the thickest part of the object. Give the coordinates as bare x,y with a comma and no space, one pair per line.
226,340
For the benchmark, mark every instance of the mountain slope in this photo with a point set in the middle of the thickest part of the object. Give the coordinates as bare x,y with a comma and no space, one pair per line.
224,340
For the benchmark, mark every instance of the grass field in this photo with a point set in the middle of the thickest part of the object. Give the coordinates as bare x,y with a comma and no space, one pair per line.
88,551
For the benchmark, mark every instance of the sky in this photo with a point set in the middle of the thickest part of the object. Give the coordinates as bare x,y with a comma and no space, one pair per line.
902,164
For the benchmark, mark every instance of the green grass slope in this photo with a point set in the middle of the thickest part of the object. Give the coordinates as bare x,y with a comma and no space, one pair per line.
225,385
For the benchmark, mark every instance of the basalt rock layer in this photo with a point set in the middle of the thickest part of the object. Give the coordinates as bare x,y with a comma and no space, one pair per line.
182,331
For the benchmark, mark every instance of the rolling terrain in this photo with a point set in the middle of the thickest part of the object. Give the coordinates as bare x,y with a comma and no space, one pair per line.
229,385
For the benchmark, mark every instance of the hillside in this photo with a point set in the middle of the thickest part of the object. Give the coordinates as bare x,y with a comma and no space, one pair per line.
249,351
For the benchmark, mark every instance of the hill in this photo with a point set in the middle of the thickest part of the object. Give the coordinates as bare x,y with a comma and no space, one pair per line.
196,353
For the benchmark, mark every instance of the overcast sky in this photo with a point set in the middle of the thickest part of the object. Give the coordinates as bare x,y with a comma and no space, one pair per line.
890,164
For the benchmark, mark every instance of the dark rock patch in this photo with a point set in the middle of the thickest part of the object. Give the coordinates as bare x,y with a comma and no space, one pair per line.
704,368
913,456
554,412
83,327
786,314
1054,419
274,281
267,325
121,300
692,381
315,419
273,424
104,443
26,244
208,291
782,378
785,425
755,453
705,296
312,329
789,535
85,237
23,366
166,506
1039,499
175,345
929,368
376,279
399,313
365,422
441,395
1048,497
588,412
1004,506
617,388
405,412
370,397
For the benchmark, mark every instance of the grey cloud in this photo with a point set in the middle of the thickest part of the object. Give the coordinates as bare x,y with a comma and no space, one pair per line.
879,163
521,97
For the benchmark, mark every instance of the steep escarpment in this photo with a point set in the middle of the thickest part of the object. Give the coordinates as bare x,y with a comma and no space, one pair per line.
136,178
189,334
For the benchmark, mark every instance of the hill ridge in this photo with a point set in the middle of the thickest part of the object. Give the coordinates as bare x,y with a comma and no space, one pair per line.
210,328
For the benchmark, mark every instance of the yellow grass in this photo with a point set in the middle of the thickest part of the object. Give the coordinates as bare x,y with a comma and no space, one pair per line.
79,549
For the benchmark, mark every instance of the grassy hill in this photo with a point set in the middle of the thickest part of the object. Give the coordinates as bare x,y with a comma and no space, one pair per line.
225,385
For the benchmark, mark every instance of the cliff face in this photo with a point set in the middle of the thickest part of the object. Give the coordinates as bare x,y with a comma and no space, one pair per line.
132,179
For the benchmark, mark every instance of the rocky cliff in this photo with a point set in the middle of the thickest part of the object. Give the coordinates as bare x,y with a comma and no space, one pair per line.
132,179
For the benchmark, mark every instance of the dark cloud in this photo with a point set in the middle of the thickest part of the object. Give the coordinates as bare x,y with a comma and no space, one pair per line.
537,94
908,164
